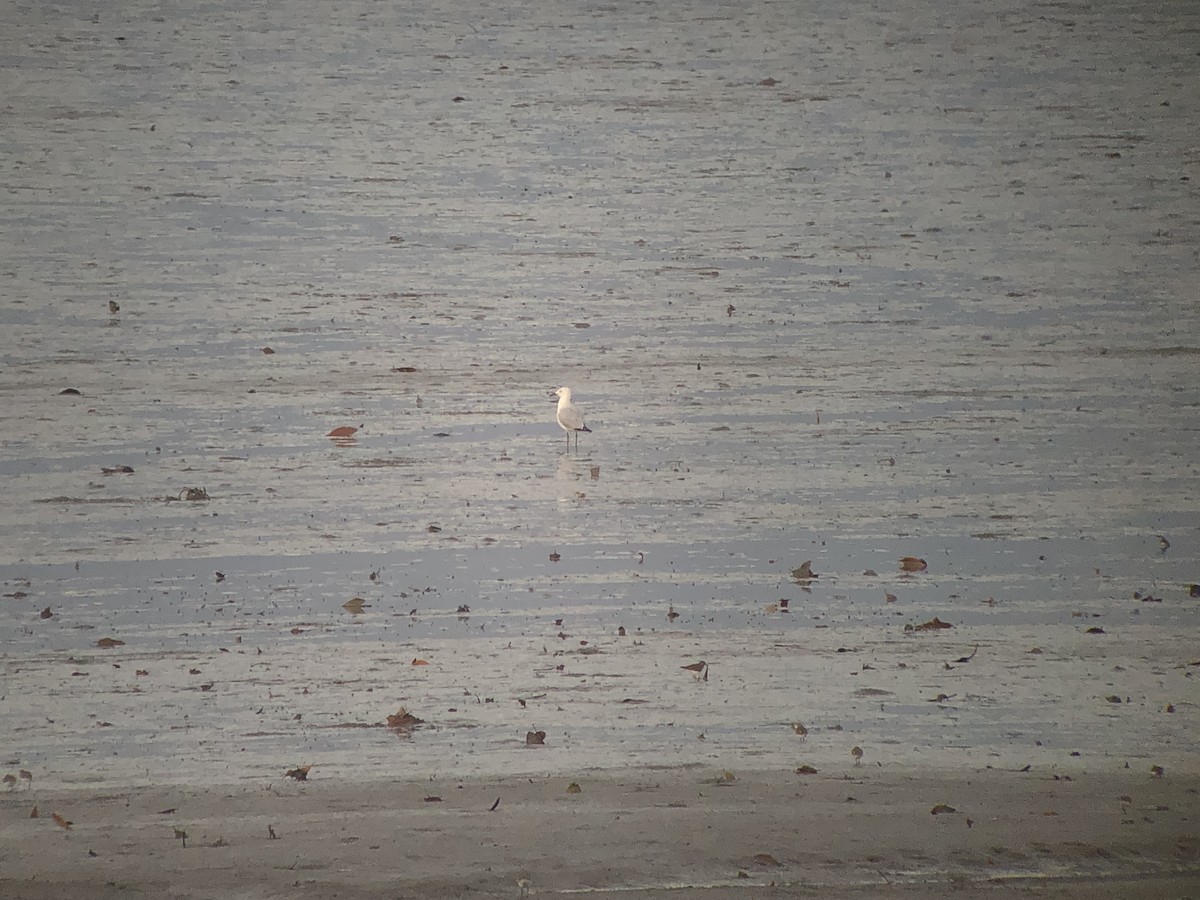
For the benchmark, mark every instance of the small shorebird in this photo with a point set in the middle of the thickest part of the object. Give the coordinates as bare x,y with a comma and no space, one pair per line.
856,752
698,670
569,416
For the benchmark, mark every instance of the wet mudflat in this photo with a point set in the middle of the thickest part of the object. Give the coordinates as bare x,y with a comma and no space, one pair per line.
839,284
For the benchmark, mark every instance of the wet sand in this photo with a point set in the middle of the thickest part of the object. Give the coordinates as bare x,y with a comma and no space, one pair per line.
1039,786
652,832
832,282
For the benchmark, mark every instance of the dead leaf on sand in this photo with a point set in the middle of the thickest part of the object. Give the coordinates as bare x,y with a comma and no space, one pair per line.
343,431
913,564
934,624
108,643
61,822
766,859
806,769
535,738
300,773
403,719
419,662
942,808
574,788
355,605
804,572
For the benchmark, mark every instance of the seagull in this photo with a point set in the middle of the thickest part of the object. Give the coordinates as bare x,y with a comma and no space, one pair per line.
570,419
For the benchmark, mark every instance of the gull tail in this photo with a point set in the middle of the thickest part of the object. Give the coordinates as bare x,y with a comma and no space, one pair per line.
584,428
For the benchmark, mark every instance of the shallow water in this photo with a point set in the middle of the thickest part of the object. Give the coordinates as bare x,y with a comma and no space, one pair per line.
831,283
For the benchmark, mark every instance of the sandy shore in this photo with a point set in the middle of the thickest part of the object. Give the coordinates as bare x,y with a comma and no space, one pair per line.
683,831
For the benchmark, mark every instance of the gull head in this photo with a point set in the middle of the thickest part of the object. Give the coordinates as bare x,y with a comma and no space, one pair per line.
563,393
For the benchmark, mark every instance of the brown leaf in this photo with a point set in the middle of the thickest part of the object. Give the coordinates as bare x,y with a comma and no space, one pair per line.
766,859
33,813
354,605
267,350
806,769
433,799
108,643
61,822
574,788
942,808
403,719
913,564
804,572
300,773
46,614
342,431
420,662
934,624
535,738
